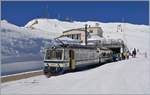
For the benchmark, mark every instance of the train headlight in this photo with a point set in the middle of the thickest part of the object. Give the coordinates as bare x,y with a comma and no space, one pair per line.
97,51
53,47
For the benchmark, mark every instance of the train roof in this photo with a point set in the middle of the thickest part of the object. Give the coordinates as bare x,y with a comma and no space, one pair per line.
58,43
73,46
78,46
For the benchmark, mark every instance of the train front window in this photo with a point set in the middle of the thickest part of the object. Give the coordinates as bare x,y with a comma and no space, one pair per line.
53,54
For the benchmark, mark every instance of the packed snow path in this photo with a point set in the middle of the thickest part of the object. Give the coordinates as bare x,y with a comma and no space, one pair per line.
122,77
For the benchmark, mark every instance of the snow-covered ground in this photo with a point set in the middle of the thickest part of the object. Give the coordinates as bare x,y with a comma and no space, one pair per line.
122,77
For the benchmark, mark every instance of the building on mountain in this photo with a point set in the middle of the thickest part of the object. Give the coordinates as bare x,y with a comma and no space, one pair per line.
79,33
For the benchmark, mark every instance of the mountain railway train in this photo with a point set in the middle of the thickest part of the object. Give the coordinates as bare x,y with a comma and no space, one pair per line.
59,58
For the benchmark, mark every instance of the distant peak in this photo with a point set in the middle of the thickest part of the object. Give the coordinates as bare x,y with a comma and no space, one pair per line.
5,21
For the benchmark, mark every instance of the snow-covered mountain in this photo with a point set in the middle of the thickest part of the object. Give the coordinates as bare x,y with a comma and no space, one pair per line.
135,36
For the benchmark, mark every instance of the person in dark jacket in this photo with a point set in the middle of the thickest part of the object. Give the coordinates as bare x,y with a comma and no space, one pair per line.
134,53
114,57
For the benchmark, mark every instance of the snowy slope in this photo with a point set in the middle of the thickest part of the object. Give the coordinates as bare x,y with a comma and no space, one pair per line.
53,25
20,45
135,36
123,77
18,41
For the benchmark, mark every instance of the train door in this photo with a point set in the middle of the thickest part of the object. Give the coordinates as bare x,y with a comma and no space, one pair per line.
71,59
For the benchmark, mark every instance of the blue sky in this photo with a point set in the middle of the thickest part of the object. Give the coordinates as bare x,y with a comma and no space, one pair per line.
20,13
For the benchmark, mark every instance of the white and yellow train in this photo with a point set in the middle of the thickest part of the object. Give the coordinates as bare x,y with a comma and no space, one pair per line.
59,58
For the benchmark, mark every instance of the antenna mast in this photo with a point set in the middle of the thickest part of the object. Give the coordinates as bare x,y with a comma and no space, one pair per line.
86,34
123,29
46,12
124,35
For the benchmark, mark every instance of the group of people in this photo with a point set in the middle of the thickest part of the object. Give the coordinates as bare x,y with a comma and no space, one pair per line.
125,55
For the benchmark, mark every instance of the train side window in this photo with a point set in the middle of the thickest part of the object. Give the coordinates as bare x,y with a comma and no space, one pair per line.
48,54
97,51
59,54
69,53
104,54
54,54
66,55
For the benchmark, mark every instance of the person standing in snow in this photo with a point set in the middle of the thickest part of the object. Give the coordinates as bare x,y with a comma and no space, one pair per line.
124,55
134,53
128,53
114,57
145,54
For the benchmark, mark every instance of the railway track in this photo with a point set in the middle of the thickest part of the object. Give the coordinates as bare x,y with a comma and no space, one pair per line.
40,72
20,76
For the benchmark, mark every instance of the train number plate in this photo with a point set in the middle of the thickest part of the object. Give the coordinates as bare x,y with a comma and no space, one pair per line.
53,64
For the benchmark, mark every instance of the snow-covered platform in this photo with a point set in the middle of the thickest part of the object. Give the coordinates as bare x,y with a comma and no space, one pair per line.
122,77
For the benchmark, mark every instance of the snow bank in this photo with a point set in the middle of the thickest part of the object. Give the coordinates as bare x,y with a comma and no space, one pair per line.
18,41
123,77
19,46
